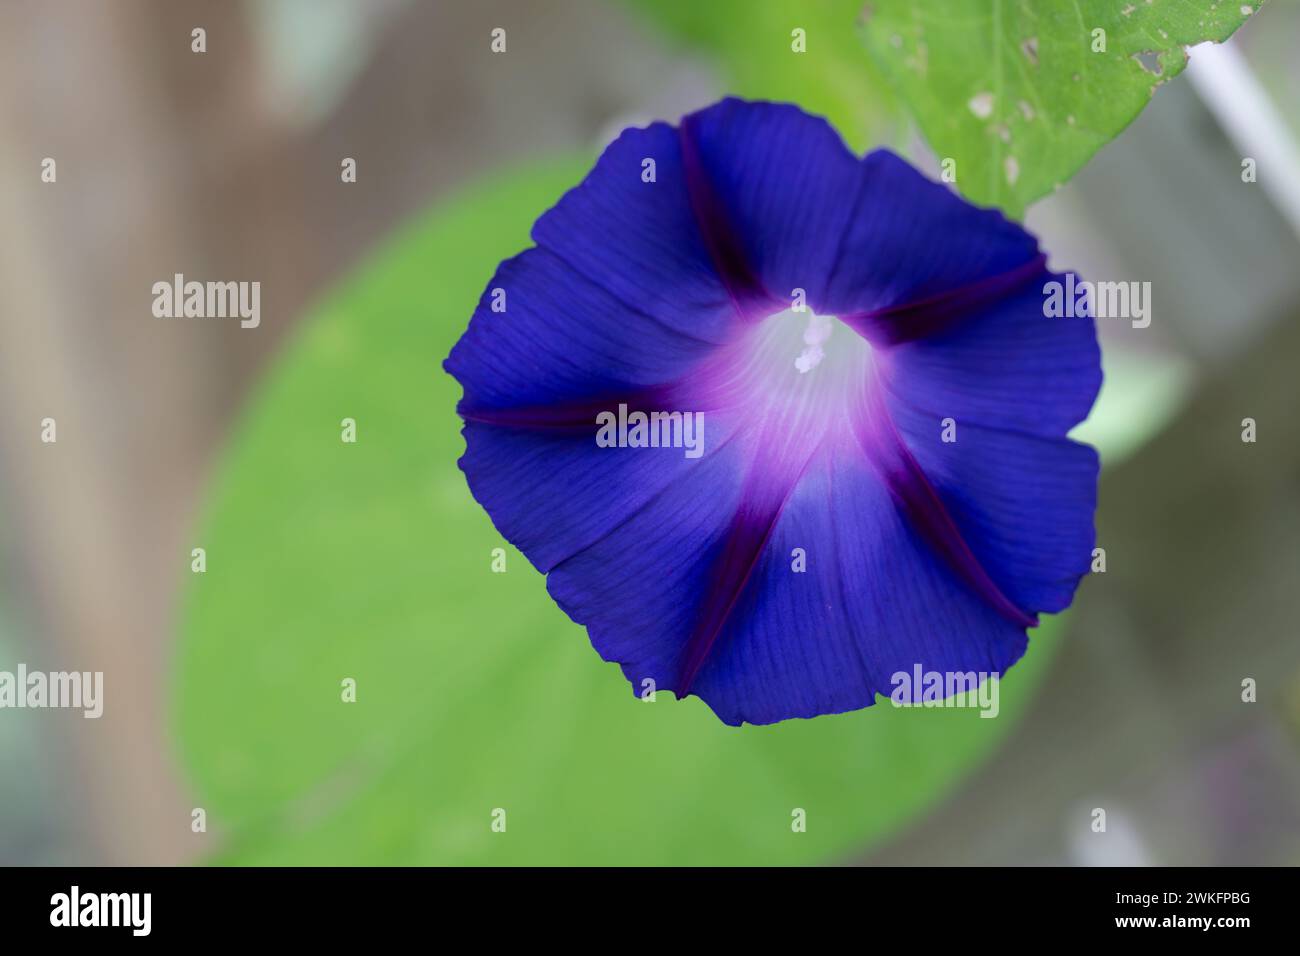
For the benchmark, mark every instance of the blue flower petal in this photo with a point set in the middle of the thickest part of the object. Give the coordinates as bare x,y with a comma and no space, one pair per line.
915,253
780,183
561,338
641,241
552,493
1023,503
1005,366
873,599
535,375
641,590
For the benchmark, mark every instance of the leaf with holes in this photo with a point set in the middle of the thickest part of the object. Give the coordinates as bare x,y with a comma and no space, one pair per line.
1021,94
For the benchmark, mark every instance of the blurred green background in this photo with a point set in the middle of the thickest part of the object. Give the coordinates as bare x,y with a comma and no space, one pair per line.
370,561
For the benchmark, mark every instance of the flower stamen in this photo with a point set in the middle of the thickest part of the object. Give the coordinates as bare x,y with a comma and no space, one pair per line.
818,331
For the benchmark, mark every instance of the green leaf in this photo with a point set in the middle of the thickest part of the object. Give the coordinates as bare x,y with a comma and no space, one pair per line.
370,561
753,44
1014,92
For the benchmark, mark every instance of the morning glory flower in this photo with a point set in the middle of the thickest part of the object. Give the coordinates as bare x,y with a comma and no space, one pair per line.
884,479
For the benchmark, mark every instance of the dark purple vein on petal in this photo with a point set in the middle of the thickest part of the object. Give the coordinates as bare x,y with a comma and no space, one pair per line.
935,314
571,416
766,491
752,302
743,545
921,504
